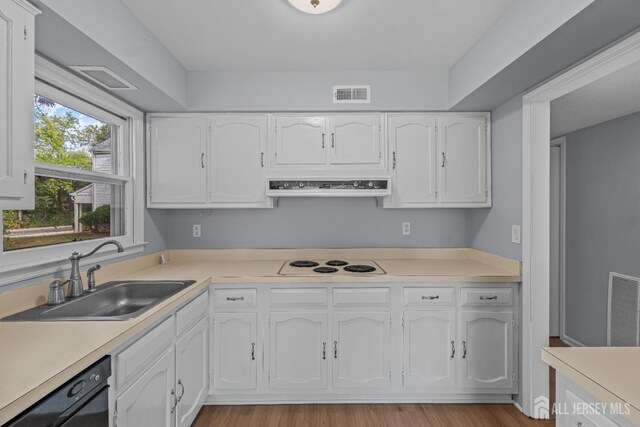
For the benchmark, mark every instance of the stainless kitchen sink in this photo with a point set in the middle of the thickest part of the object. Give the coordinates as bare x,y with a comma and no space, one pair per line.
112,301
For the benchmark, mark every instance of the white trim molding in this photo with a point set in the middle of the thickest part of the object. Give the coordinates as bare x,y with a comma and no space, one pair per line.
535,225
76,93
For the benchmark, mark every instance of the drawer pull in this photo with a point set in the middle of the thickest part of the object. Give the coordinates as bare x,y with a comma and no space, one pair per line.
235,298
430,297
253,351
493,298
453,349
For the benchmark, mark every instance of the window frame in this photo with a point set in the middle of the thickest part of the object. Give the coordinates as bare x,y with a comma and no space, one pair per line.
60,85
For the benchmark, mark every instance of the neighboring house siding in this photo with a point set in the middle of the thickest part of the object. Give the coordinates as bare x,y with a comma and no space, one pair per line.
102,192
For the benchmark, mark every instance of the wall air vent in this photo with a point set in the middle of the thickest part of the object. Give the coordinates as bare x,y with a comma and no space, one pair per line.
104,77
623,326
352,94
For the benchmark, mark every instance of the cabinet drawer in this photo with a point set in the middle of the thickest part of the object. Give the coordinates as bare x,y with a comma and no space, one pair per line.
230,298
308,297
359,297
586,420
136,359
191,313
428,297
487,297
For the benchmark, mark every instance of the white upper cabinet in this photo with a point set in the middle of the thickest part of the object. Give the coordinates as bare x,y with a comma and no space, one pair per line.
487,350
429,349
361,349
355,140
237,159
298,351
16,104
234,351
300,141
412,153
462,144
177,150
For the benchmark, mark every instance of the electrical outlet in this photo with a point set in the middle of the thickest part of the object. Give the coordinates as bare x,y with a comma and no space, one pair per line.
406,229
197,230
515,234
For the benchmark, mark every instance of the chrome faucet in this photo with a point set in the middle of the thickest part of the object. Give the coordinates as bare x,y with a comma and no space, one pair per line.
75,280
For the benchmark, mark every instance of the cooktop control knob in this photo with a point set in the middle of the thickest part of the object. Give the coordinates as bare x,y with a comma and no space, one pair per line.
301,184
356,184
370,184
286,184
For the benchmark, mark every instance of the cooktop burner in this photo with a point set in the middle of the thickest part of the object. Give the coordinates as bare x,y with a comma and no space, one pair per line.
336,263
304,264
325,270
360,268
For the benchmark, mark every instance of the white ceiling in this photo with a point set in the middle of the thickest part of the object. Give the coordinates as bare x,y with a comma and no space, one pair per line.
613,96
357,35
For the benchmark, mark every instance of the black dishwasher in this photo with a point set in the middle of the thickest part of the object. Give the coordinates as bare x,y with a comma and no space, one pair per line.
82,401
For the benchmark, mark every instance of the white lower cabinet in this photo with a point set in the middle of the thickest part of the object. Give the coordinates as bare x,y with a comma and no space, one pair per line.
337,342
162,378
487,350
234,351
192,371
429,349
151,398
298,351
361,350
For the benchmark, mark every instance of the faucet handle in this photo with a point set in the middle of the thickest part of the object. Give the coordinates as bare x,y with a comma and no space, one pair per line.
91,277
56,293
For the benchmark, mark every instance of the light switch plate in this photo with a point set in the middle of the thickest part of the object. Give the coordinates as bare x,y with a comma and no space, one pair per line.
515,234
406,228
197,230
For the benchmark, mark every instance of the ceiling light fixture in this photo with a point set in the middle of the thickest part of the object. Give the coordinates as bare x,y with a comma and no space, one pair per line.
315,7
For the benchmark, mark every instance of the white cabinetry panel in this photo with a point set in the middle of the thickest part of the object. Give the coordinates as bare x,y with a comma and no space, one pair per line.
234,351
298,351
192,372
361,349
355,140
429,349
300,140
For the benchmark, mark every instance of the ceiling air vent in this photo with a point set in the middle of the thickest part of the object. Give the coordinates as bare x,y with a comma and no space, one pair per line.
104,77
352,94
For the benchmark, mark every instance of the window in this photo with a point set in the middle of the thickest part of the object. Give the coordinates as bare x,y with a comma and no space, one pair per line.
88,155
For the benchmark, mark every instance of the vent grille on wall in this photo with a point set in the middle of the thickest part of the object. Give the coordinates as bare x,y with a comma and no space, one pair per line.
104,77
352,94
623,328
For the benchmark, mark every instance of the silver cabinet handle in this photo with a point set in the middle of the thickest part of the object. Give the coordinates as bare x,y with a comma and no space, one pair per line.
493,298
333,140
444,159
453,349
175,401
253,351
323,140
324,351
464,349
261,160
335,349
182,393
395,160
202,160
235,298
430,297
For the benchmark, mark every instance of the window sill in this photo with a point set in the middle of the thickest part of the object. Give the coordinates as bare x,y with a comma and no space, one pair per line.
32,270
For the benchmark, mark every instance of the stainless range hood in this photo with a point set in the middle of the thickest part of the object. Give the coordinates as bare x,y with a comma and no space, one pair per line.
325,187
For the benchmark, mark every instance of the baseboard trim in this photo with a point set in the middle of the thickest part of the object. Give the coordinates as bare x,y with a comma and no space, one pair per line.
572,342
319,400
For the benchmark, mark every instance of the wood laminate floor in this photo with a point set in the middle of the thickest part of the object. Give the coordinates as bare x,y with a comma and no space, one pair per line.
389,415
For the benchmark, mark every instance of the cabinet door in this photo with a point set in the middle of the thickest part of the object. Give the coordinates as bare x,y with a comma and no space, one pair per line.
298,351
429,349
463,159
234,347
300,141
355,140
238,145
178,160
486,339
16,106
412,141
150,400
360,349
192,372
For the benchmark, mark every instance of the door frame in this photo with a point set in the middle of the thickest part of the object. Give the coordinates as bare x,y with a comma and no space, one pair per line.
562,212
536,106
